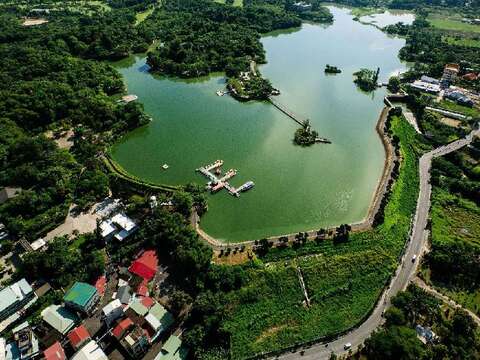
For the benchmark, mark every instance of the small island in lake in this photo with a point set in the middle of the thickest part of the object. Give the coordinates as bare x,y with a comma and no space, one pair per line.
329,69
366,79
305,136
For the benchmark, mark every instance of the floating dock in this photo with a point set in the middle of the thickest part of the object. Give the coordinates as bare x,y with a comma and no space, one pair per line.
217,183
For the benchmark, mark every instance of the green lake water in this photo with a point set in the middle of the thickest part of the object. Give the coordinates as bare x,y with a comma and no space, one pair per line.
295,188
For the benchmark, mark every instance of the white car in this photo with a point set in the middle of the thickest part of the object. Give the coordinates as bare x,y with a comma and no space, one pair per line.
347,346
414,257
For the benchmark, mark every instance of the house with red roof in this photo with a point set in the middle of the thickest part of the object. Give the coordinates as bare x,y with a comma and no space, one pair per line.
122,327
55,352
101,284
78,337
146,265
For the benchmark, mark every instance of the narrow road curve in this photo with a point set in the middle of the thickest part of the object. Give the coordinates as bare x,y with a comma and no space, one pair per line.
405,272
420,283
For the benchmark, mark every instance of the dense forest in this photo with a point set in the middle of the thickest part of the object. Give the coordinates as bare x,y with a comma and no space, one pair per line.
199,37
51,81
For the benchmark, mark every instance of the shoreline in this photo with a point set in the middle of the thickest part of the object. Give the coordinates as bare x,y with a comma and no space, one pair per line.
362,225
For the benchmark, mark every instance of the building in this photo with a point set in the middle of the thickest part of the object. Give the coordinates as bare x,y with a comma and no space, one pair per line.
124,294
8,193
450,73
91,351
425,334
112,311
55,352
470,77
302,6
101,284
458,97
14,298
159,320
78,337
137,311
121,328
119,226
135,341
146,265
82,297
38,244
24,345
425,86
172,350
59,318
430,80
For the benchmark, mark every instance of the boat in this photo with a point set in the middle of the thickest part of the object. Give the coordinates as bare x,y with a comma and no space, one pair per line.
245,187
164,166
220,93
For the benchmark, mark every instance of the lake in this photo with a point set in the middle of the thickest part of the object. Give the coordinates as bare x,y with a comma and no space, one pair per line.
296,189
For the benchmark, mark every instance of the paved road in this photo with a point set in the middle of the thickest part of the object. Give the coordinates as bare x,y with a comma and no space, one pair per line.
404,273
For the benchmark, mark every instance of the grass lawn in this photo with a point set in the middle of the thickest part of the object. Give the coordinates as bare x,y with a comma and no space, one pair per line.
469,42
455,219
238,3
453,106
446,22
141,16
343,280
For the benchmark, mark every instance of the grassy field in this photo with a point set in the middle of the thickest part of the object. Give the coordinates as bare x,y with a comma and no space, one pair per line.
469,42
452,23
455,219
343,280
238,3
465,110
141,16
364,11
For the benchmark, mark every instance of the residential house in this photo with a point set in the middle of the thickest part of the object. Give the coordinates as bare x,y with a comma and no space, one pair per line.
137,311
59,318
23,347
146,265
55,352
124,294
122,327
425,334
112,311
78,337
15,297
90,351
82,297
172,350
302,6
135,341
159,320
450,73
119,226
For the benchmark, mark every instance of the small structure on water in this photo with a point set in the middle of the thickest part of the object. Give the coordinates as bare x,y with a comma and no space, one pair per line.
217,183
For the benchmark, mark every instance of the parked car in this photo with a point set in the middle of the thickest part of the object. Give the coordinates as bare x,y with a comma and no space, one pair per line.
347,346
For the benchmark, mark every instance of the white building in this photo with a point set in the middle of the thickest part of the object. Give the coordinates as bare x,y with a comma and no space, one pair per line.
91,351
119,226
112,311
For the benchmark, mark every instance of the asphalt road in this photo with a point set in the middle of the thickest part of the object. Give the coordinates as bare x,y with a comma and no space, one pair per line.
404,273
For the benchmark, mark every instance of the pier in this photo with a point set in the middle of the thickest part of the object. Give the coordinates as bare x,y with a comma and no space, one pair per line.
218,183
302,121
298,119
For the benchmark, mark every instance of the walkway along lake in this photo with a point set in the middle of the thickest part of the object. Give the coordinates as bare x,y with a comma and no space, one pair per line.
296,188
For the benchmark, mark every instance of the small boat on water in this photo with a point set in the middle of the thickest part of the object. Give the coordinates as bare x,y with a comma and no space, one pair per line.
165,166
245,187
220,93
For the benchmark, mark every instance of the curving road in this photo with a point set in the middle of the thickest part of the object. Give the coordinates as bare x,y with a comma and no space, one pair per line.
405,272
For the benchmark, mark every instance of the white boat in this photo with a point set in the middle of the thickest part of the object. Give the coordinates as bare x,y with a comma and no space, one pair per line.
164,166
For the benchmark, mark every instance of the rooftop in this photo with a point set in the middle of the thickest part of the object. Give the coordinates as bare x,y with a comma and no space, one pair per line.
14,293
78,336
112,306
146,265
54,352
80,293
122,326
91,351
59,318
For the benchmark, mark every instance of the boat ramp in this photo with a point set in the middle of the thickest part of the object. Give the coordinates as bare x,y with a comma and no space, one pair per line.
217,183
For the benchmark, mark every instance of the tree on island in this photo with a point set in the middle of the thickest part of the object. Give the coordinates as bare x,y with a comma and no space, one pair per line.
366,79
329,69
305,136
